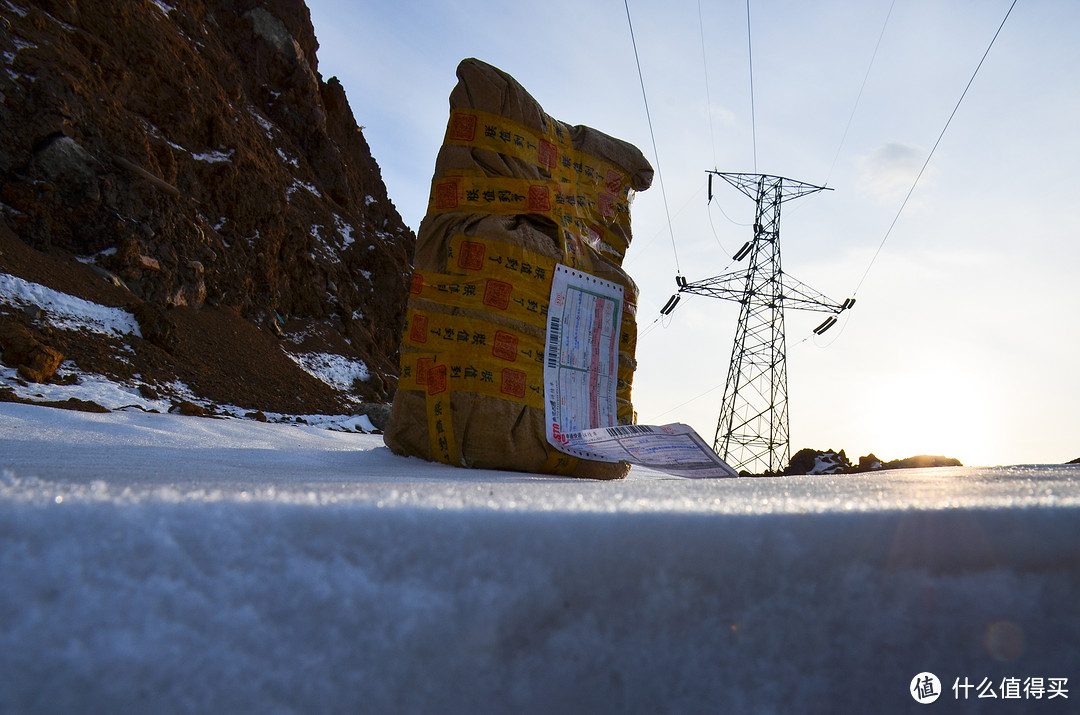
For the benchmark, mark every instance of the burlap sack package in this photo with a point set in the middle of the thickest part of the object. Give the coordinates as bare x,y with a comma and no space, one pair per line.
514,192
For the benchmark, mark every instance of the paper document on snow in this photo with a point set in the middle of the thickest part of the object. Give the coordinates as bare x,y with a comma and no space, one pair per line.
581,378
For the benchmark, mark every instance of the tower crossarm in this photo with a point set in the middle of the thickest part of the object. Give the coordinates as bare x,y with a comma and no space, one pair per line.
729,286
794,293
800,296
756,186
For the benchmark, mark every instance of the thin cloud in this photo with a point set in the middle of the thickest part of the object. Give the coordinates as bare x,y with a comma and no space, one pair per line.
888,172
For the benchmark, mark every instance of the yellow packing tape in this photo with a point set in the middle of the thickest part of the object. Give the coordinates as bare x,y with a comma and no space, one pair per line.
492,276
492,296
517,300
441,426
480,357
436,382
575,210
436,373
485,263
552,151
480,255
457,334
559,463
436,377
470,255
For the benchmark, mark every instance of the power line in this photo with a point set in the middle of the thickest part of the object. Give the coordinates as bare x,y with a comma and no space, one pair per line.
934,148
708,99
714,388
641,245
861,89
725,215
652,135
713,227
750,52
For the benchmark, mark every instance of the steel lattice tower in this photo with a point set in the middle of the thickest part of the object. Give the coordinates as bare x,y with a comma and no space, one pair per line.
752,432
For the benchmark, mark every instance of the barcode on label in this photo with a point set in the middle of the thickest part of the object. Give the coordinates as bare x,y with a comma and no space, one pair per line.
626,430
553,342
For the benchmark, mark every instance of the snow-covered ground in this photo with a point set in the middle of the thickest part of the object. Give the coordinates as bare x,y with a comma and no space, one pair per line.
160,563
67,312
151,562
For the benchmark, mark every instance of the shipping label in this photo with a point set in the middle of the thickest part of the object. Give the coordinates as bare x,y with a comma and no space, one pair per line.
581,379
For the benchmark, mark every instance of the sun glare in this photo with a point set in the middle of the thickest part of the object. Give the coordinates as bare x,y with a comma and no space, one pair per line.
943,412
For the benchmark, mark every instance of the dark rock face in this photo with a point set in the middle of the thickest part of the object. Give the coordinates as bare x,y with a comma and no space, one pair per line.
192,150
922,460
19,348
814,461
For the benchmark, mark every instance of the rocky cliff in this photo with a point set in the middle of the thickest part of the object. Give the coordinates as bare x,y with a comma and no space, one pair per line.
185,161
815,461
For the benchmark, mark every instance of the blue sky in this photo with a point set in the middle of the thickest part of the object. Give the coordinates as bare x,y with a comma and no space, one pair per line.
964,340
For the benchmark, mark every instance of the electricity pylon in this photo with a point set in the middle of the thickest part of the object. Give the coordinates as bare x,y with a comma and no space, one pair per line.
752,432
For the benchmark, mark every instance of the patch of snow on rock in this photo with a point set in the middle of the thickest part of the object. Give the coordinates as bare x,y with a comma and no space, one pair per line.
66,311
297,184
345,230
335,370
262,121
165,8
214,157
291,161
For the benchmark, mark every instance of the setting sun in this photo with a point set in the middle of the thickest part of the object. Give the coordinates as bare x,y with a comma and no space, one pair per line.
931,411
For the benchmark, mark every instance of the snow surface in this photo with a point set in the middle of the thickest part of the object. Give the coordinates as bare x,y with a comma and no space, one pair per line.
66,311
213,157
298,184
21,12
159,563
164,7
337,371
291,161
345,231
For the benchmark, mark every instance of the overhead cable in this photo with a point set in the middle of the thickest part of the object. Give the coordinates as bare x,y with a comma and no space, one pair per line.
652,135
750,52
843,138
934,148
708,99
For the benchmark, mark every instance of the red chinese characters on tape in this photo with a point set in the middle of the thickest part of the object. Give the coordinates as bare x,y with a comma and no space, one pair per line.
418,328
446,195
423,369
613,181
514,383
497,294
436,380
471,255
547,154
462,127
539,198
606,203
506,346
